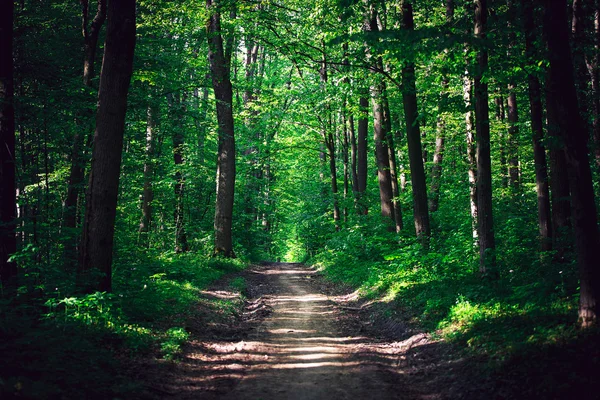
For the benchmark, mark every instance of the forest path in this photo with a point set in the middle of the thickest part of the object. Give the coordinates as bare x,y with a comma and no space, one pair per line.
307,347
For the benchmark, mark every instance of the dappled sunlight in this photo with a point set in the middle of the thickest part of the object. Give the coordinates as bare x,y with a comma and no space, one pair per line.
289,330
299,346
307,298
302,272
220,294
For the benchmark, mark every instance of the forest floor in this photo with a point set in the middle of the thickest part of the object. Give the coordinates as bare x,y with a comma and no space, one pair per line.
296,336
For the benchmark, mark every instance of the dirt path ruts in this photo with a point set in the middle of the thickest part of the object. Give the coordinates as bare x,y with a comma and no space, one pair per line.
303,354
304,349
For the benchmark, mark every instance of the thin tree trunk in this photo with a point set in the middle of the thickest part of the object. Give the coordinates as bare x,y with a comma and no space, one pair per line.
560,195
438,155
392,158
353,156
328,137
513,113
578,42
346,162
501,117
539,151
177,108
75,185
471,154
148,192
574,134
90,37
220,61
95,268
382,156
487,244
8,201
361,154
413,134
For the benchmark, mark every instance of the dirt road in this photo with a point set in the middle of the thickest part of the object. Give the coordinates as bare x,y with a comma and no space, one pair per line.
305,348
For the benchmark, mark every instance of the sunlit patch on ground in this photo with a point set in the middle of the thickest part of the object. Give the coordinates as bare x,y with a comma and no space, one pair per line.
298,351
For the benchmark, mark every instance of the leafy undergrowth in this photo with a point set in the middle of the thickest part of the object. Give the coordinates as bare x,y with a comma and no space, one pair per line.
519,319
76,346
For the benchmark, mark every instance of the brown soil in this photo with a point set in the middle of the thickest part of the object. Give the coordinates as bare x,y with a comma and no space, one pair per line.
301,338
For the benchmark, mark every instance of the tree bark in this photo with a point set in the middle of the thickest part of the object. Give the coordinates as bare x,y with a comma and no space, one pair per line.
513,113
177,109
560,195
487,245
361,154
8,201
471,153
220,61
413,134
574,135
392,158
440,133
95,268
81,138
539,151
382,156
148,192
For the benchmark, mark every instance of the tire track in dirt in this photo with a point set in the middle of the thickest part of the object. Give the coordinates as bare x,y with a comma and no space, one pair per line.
304,348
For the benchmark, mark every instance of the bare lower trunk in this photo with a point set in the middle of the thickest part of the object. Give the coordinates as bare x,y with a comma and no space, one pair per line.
392,159
382,157
361,154
148,193
539,150
220,71
95,267
471,155
574,135
513,135
559,181
487,245
81,138
177,109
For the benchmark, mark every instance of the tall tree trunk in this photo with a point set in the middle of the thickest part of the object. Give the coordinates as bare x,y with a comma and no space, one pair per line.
95,267
487,244
345,161
574,134
539,151
91,33
148,192
440,133
501,117
413,134
361,154
90,37
392,158
177,109
382,156
560,195
220,61
579,31
512,140
471,153
353,156
329,140
513,113
8,201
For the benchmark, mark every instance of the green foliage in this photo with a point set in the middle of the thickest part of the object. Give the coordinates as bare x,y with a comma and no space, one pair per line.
151,301
532,304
